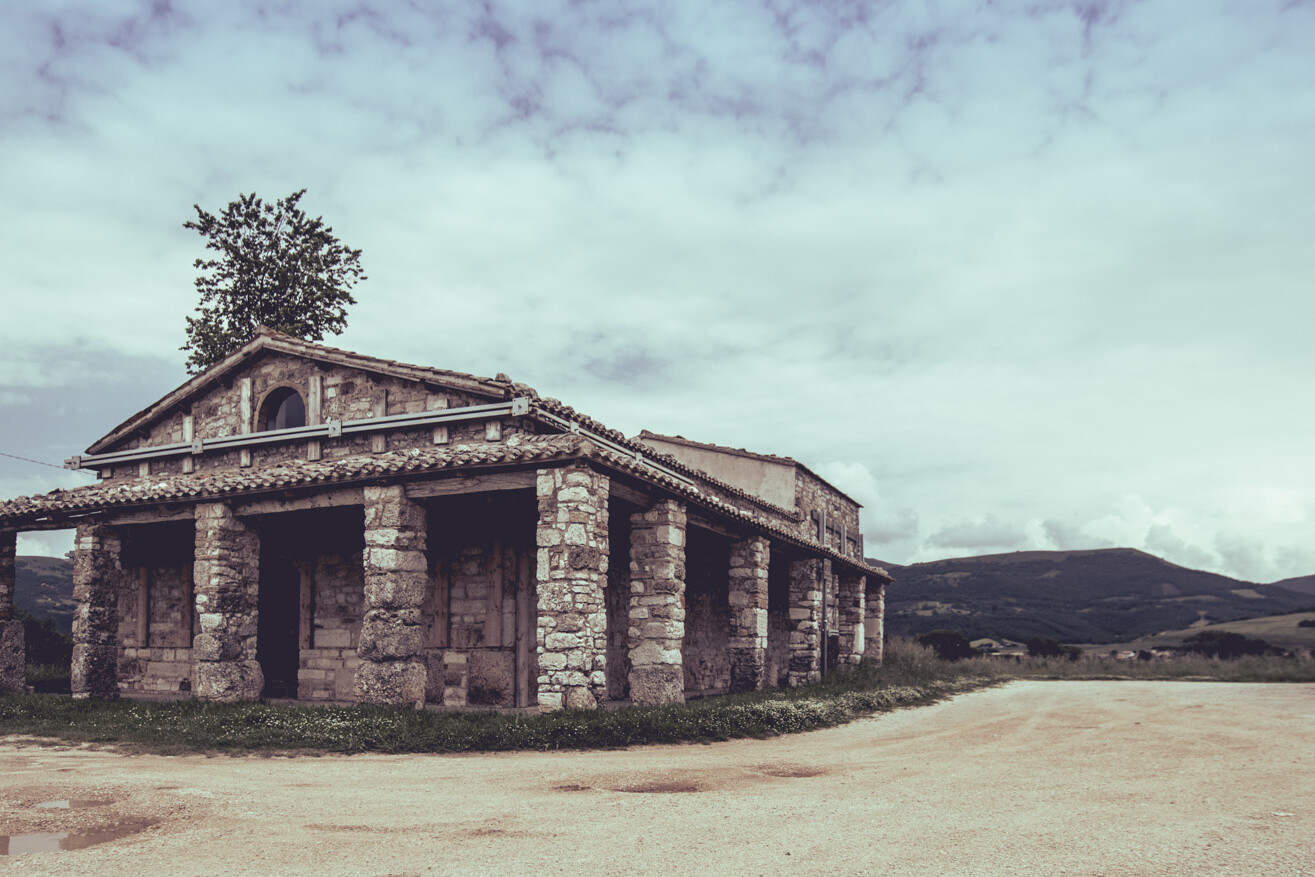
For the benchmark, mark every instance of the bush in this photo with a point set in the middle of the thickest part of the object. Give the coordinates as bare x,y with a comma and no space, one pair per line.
1228,645
1306,622
45,643
1040,647
949,645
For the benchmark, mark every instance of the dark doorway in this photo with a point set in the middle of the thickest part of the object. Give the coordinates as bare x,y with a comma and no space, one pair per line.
277,639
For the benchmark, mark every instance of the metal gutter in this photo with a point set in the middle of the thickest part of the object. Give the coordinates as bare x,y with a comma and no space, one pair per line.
331,429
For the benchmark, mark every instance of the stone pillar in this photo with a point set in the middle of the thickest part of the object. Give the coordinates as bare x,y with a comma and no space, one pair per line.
805,610
97,582
875,634
571,573
657,604
747,594
851,599
13,665
392,646
226,573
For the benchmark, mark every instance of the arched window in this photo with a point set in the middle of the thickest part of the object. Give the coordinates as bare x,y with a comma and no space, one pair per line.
283,409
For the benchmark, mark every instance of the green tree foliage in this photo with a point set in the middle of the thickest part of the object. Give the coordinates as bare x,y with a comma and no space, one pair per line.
273,266
1041,647
949,645
1226,644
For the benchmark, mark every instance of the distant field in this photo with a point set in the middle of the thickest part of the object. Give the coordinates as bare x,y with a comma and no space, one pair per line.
1279,630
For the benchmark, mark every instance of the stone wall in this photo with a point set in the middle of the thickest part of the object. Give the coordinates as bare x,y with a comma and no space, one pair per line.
874,645
779,626
327,670
842,525
657,603
98,581
476,655
748,598
344,394
806,578
12,664
162,664
851,601
571,573
706,644
226,579
392,668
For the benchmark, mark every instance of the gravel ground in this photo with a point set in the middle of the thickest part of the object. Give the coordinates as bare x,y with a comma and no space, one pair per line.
1182,778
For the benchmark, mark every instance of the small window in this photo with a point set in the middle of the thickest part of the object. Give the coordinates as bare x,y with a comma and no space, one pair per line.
283,409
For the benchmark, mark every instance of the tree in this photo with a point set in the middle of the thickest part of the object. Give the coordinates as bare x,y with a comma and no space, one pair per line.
1228,645
275,267
949,645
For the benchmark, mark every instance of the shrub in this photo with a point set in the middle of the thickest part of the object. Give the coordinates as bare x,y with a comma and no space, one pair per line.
1226,644
1306,622
949,645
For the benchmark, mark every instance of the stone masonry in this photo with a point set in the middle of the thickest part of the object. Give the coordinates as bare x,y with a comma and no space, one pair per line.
805,611
851,602
227,582
657,603
12,664
747,595
571,572
98,579
875,635
392,644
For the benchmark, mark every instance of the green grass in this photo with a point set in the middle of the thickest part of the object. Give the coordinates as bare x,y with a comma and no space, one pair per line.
911,676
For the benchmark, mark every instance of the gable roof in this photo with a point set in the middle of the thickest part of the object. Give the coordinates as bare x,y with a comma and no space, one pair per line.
741,452
66,506
269,340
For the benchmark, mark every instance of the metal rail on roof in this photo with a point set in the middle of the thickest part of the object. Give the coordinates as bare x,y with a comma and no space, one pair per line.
614,446
331,429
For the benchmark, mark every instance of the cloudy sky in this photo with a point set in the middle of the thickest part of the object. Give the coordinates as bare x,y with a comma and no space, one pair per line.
1034,274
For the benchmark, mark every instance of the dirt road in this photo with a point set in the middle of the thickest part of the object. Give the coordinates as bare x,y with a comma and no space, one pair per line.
1033,778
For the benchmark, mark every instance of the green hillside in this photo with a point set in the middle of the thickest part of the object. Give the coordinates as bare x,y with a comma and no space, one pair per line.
1102,596
43,588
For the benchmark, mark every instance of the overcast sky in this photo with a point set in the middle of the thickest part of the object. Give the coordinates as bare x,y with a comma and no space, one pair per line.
1015,275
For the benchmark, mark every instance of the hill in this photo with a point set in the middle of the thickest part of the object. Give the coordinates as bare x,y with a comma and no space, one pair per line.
1102,596
1284,631
1303,584
43,587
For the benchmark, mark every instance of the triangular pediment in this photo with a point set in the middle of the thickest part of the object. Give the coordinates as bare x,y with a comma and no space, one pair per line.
274,349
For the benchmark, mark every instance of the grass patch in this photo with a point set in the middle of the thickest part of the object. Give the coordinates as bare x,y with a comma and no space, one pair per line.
911,676
192,726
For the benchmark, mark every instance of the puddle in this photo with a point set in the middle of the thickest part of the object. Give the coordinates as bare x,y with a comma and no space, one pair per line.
74,804
50,842
790,771
662,788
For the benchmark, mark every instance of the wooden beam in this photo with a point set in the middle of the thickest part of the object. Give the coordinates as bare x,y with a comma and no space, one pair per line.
485,483
152,516
346,496
630,494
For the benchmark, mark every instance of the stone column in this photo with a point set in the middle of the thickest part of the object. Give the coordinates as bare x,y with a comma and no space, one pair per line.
851,599
657,604
97,583
747,595
392,645
13,666
805,610
571,573
875,635
226,574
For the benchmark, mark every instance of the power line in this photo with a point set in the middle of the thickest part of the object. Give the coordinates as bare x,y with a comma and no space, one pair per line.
29,460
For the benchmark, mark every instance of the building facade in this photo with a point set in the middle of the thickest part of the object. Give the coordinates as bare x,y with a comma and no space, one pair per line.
304,522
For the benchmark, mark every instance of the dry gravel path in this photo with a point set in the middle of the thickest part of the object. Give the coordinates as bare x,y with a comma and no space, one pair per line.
1034,778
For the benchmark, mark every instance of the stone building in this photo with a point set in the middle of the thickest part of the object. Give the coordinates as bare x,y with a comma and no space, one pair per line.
304,522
